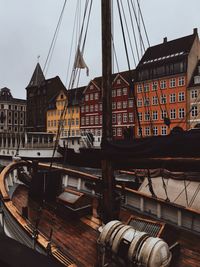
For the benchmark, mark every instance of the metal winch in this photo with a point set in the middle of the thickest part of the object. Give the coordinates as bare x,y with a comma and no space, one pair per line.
126,246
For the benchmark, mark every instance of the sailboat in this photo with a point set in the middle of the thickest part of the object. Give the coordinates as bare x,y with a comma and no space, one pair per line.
85,220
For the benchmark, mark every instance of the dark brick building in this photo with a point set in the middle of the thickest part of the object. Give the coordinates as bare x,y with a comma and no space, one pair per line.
39,92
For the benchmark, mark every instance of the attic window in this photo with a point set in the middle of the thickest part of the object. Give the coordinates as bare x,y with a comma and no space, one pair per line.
61,96
196,79
118,81
91,87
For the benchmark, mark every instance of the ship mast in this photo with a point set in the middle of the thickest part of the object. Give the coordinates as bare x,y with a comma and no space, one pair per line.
108,207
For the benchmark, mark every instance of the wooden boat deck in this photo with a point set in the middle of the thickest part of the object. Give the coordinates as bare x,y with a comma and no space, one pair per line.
77,236
74,237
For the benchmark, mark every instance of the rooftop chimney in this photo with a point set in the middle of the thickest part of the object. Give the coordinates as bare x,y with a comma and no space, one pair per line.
195,31
165,40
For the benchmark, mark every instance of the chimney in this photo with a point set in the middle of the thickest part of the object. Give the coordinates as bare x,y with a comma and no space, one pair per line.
195,31
165,40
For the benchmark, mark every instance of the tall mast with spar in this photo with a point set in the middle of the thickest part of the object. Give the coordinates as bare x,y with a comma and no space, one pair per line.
108,207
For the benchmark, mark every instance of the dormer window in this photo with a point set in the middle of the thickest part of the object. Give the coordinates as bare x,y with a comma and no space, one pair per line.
197,79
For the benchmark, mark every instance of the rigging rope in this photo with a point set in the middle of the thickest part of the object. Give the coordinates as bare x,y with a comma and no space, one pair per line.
49,55
129,69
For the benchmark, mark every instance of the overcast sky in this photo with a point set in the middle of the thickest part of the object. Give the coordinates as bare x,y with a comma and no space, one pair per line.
27,28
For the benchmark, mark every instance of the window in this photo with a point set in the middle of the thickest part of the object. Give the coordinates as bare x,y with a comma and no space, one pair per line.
91,108
118,81
163,130
119,131
163,114
91,120
91,96
130,115
139,102
72,121
77,121
124,90
155,115
194,111
155,86
130,103
155,130
147,131
113,105
163,99
124,117
119,105
100,107
181,81
100,119
87,120
172,83
196,79
146,102
181,113
172,98
140,116
96,96
86,108
172,114
113,93
139,88
146,87
96,107
86,97
113,118
119,118
194,93
147,116
139,131
181,96
96,119
124,104
155,100
119,92
114,131
163,84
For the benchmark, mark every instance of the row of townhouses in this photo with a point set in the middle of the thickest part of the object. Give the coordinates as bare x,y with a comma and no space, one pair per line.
166,85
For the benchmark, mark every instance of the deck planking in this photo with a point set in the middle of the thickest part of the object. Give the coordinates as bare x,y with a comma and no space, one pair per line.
74,237
78,237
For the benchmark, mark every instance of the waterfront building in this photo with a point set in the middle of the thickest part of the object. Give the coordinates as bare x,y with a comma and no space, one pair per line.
68,100
122,107
39,93
194,99
12,112
163,75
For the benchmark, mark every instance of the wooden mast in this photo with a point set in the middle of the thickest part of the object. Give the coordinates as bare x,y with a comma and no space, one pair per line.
108,205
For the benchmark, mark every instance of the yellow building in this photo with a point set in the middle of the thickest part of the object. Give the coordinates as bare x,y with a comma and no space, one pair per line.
68,100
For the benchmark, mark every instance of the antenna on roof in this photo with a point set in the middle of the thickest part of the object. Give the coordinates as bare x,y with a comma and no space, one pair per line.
38,58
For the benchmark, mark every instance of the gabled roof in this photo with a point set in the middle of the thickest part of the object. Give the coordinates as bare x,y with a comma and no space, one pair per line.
168,51
74,96
195,73
126,75
37,77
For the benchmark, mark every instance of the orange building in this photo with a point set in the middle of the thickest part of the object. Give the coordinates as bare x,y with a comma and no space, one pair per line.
163,75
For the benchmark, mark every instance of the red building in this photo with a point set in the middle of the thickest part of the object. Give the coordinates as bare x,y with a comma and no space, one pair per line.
122,107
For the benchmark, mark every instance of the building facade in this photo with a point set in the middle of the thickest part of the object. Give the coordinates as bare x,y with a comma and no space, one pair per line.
193,114
68,100
12,113
39,93
163,75
122,108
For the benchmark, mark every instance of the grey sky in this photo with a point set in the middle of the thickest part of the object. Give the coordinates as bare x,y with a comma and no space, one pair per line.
27,27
